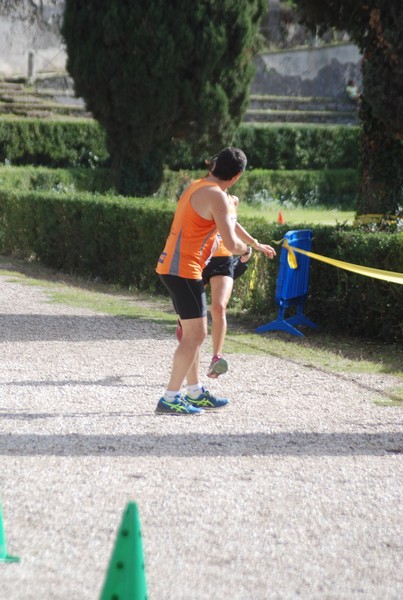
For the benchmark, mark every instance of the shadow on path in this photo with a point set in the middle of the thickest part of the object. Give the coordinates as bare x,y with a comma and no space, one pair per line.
29,328
294,443
109,381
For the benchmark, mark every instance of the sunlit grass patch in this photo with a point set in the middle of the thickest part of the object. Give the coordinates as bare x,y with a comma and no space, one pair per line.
395,397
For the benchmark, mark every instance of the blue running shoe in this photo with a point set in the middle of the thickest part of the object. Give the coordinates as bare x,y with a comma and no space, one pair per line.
206,401
177,406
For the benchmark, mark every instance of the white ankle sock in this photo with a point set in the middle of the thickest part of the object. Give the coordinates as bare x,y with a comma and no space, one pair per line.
168,395
195,390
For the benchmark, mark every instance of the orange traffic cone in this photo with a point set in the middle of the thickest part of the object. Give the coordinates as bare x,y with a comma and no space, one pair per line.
280,218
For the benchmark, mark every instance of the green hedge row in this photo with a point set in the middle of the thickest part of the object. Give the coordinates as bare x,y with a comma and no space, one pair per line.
52,143
116,239
300,147
326,187
82,142
44,179
287,147
330,187
120,239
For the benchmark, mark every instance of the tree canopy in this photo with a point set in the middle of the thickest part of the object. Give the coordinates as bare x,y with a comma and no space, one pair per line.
376,26
152,71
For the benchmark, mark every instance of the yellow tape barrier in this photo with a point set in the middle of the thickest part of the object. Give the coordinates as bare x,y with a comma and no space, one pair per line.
368,271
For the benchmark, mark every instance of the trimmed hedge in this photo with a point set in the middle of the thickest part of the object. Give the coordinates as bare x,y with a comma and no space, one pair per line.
82,143
354,303
44,179
52,143
288,147
327,187
331,188
120,239
300,147
117,239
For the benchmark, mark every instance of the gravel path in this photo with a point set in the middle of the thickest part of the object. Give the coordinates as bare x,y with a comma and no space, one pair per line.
293,491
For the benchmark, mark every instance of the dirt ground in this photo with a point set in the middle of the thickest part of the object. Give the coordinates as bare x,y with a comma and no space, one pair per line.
292,491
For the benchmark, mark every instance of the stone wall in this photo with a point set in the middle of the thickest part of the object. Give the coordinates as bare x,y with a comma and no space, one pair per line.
27,25
321,71
31,25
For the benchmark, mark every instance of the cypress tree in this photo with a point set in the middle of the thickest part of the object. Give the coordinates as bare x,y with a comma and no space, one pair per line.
376,26
152,71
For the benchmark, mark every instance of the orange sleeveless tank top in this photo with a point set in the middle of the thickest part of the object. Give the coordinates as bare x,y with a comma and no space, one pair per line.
190,240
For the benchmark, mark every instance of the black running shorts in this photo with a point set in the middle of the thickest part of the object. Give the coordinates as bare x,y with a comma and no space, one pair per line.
226,266
188,296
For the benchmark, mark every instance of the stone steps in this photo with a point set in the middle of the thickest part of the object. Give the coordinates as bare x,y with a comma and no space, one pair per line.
55,98
43,111
40,102
299,109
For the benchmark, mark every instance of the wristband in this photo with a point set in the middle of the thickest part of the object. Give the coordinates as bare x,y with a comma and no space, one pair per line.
255,243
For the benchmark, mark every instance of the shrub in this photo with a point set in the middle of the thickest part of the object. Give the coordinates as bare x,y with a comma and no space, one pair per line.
299,146
331,188
52,143
115,238
59,180
82,143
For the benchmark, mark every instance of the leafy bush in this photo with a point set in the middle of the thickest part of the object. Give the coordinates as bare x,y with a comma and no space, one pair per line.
59,180
330,188
338,300
114,238
299,146
52,143
286,147
358,304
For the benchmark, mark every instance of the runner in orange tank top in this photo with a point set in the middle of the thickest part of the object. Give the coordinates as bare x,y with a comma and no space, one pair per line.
203,208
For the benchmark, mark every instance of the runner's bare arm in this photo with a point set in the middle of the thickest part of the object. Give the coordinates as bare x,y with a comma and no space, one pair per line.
246,237
221,213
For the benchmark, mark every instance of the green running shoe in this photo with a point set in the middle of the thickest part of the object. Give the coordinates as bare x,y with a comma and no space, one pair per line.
178,406
206,401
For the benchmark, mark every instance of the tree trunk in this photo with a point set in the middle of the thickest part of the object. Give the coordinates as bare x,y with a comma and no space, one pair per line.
381,189
381,186
138,177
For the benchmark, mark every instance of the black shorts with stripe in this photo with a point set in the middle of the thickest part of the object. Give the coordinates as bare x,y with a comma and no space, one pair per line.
188,296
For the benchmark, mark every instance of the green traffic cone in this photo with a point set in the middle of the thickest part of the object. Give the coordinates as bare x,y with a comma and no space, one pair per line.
125,579
4,557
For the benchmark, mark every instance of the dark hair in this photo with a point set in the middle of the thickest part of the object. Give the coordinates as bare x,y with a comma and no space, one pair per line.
227,163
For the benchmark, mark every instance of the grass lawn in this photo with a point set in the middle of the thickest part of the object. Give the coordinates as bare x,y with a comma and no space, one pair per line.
308,216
